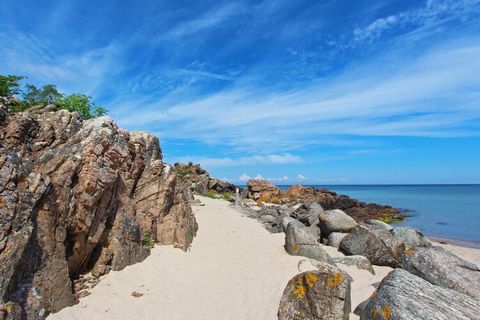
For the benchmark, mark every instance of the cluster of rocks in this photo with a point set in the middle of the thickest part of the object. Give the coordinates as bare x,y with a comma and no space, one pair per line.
427,283
264,192
197,180
78,197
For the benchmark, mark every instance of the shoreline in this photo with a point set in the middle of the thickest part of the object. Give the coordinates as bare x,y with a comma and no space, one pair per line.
455,242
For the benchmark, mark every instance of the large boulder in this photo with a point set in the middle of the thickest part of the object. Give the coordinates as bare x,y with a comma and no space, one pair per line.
285,221
408,238
77,197
380,246
335,238
335,221
404,296
320,294
308,212
376,224
372,244
301,241
441,267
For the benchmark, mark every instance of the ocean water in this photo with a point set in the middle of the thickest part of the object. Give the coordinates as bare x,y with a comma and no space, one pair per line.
444,211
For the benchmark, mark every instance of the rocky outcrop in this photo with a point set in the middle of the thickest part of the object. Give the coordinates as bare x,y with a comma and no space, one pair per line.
76,197
320,294
441,267
404,296
197,180
264,192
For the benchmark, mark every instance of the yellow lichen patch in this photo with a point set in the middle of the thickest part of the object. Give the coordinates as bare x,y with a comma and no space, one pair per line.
8,309
335,280
295,248
299,290
410,252
311,279
386,312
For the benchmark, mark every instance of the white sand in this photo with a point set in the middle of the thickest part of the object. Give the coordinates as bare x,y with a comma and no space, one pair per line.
235,269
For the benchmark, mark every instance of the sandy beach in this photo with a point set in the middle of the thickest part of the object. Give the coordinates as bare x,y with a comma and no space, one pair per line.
235,269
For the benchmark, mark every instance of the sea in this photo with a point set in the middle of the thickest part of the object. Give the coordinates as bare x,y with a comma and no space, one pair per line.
442,211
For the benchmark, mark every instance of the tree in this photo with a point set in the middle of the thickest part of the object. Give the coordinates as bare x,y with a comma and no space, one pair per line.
48,94
9,85
82,104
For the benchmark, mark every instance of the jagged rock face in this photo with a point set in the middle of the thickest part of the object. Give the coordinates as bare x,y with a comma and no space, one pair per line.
78,196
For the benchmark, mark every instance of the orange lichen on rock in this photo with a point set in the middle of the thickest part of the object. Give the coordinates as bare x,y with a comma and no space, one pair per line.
387,312
8,309
311,278
410,252
295,248
335,280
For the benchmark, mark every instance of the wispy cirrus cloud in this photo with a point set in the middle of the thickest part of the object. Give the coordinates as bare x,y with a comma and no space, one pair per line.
269,159
433,14
208,20
43,61
434,95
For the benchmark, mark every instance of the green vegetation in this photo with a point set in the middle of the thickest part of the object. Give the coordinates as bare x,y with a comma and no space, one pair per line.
226,196
390,220
48,94
148,241
9,85
210,194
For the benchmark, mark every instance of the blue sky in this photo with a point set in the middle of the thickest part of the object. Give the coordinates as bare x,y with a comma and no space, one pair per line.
316,92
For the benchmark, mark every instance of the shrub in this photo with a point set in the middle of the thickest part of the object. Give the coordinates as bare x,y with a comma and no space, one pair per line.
82,104
9,85
226,196
148,241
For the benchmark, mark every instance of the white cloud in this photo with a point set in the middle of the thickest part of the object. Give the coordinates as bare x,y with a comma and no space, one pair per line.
432,14
301,177
244,177
242,161
41,61
206,21
259,177
434,95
